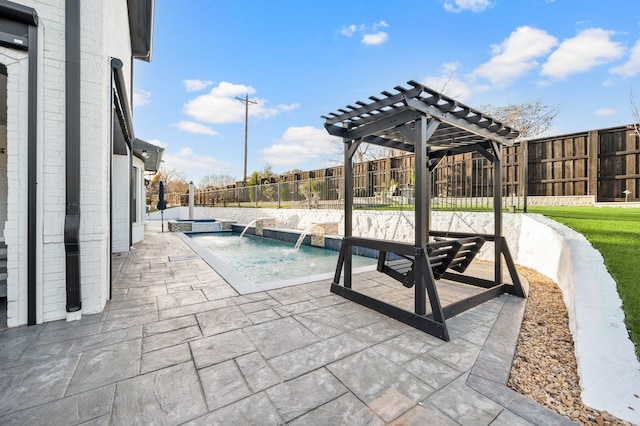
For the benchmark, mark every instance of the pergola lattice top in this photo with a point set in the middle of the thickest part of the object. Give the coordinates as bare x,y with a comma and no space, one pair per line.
390,121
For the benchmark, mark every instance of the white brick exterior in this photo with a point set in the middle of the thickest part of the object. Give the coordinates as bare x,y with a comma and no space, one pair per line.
104,35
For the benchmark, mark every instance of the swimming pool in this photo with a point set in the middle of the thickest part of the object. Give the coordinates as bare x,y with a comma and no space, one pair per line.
252,263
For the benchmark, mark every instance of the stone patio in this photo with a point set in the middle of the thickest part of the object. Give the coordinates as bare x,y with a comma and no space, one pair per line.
178,345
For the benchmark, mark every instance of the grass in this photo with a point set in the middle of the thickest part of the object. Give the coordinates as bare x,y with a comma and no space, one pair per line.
615,233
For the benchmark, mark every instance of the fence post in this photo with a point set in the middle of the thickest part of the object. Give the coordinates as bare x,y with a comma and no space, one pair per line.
592,167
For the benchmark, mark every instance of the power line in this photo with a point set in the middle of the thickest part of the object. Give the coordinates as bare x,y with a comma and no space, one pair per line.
246,102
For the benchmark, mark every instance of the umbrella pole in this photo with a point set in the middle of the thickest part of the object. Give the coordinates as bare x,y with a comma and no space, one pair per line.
162,219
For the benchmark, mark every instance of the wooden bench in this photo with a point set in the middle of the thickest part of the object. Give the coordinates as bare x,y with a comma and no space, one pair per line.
443,254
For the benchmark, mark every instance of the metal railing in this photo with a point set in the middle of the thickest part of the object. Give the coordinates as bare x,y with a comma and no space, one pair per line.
464,184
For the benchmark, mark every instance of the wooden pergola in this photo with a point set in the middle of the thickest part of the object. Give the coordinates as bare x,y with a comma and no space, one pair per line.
431,125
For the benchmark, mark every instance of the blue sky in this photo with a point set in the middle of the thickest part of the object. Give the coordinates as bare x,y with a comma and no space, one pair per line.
301,59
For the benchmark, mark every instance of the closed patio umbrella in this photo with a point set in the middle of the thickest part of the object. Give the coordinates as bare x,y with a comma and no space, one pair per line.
162,204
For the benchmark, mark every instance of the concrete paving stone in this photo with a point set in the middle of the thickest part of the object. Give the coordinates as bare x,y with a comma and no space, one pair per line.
13,342
296,397
150,291
507,418
209,277
175,300
301,361
313,321
289,295
415,344
182,281
458,354
179,289
130,303
465,405
33,384
132,321
253,297
477,336
88,343
518,404
263,316
170,338
44,352
393,353
377,332
223,384
257,372
325,301
431,371
221,291
74,409
345,410
132,311
106,365
280,336
259,305
165,397
391,404
372,377
422,415
295,308
63,324
221,347
255,410
165,357
57,335
493,366
222,320
100,421
195,308
172,324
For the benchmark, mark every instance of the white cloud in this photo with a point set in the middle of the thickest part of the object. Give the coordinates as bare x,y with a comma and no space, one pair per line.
448,84
516,55
194,165
220,105
370,34
632,66
605,112
375,39
193,127
299,145
141,97
195,85
456,6
348,30
157,142
590,48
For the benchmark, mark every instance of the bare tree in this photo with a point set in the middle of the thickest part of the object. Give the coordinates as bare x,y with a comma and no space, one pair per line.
216,181
530,118
174,182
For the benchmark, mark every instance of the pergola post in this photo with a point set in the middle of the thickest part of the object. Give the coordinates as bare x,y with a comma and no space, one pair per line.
348,210
422,210
497,209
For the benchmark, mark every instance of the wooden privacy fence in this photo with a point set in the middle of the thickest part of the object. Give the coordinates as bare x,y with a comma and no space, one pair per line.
601,163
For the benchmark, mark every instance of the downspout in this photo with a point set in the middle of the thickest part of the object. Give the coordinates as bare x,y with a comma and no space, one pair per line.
72,148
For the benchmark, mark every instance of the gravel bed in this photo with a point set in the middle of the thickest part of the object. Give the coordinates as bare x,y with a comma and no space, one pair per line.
544,367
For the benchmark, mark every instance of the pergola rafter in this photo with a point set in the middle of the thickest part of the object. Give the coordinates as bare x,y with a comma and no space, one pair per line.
432,126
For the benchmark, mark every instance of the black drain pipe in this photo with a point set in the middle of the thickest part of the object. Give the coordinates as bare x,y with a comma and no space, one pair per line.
72,148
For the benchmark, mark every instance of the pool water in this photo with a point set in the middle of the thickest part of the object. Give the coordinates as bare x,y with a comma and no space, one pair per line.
263,260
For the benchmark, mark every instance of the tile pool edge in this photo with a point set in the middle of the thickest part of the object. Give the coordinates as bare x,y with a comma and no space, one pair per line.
242,284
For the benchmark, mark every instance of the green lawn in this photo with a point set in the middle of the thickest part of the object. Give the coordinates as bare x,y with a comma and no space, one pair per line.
615,232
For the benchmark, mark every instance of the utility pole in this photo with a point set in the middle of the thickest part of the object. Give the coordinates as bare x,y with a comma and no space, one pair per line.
246,102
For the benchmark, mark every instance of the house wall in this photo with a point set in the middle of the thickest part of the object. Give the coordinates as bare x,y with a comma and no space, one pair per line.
120,210
138,225
104,34
15,230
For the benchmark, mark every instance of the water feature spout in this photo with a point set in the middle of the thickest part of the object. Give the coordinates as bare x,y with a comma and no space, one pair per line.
253,222
301,239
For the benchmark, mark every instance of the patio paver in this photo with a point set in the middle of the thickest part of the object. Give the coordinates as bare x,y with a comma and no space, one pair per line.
178,345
